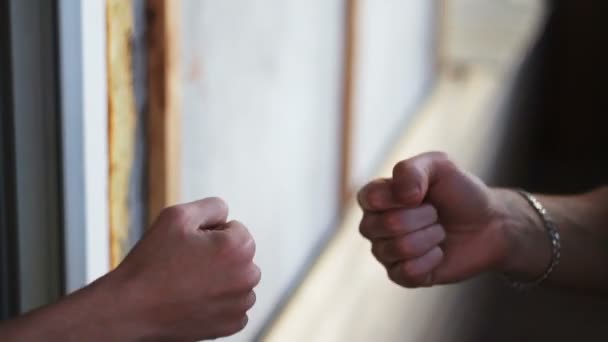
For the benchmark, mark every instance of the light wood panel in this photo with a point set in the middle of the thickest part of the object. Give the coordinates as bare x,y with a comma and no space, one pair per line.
164,105
122,120
349,60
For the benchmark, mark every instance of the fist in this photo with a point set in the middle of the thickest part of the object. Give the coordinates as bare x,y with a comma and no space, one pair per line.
192,275
432,223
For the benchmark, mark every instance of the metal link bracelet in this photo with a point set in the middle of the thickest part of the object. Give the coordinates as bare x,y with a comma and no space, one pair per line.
554,238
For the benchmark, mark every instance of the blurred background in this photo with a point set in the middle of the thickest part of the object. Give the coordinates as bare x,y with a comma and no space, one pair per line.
114,109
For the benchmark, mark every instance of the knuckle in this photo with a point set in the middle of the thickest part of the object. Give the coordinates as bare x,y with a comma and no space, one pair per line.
235,243
373,195
409,270
372,198
362,198
241,323
245,279
407,247
234,326
249,301
376,199
406,169
439,254
393,275
377,251
430,212
396,276
403,275
444,159
248,249
240,232
391,222
241,251
365,226
401,167
431,236
176,214
252,277
440,233
440,155
219,203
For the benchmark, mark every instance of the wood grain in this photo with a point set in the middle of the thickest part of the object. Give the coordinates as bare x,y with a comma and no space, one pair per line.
122,120
164,105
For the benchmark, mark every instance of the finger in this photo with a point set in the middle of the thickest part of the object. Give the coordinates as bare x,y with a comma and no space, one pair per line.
408,246
237,230
416,272
235,241
209,213
397,222
377,196
235,305
413,177
202,214
240,279
231,326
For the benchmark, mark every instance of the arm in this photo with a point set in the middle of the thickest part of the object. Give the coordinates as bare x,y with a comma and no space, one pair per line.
190,278
96,311
583,224
433,223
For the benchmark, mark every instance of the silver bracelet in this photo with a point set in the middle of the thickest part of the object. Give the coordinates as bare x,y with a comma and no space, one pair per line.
554,238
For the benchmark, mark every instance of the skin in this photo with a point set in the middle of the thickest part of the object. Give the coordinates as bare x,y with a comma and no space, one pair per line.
190,278
434,223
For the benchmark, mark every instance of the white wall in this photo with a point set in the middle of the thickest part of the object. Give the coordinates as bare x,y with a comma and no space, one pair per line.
261,82
395,62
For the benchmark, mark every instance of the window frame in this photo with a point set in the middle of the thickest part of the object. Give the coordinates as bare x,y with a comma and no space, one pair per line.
33,148
84,135
9,291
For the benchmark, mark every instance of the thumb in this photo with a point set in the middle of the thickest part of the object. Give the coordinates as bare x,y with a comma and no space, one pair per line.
413,178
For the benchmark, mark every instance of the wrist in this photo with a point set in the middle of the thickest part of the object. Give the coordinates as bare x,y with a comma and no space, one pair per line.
527,249
131,306
112,309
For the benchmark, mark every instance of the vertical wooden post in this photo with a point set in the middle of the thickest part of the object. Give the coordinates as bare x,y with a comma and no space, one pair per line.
121,119
348,90
441,23
164,105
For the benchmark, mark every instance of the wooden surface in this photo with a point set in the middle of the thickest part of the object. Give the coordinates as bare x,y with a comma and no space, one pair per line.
164,105
122,118
348,89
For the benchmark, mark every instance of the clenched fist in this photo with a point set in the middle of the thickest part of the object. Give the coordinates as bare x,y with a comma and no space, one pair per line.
432,223
192,276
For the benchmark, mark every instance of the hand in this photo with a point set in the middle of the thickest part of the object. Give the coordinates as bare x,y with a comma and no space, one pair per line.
432,223
192,276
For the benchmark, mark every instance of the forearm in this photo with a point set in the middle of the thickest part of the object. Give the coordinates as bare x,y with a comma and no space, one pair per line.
94,313
582,222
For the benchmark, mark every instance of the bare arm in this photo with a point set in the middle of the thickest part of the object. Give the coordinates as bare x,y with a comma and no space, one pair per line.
190,278
96,312
583,225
